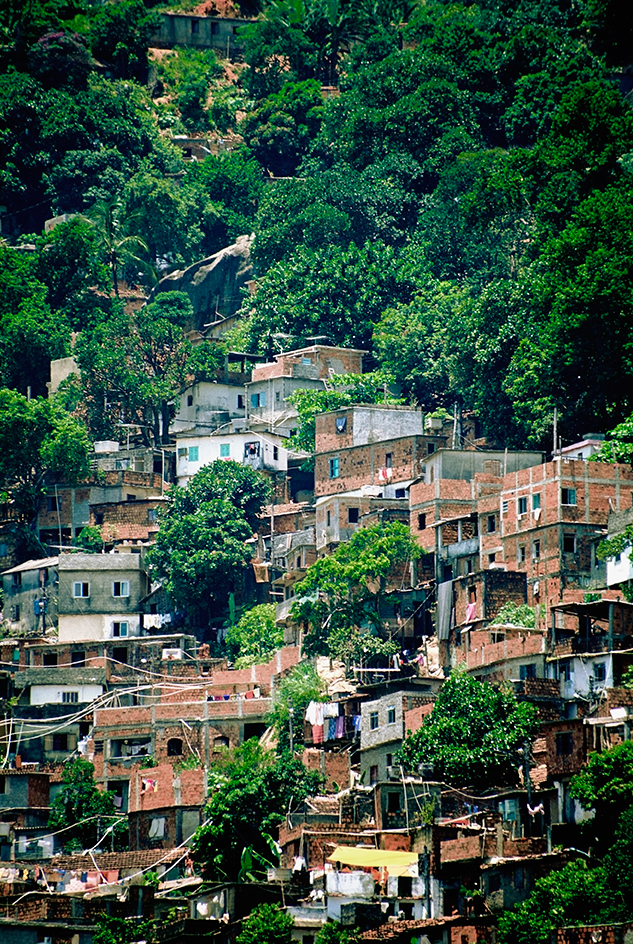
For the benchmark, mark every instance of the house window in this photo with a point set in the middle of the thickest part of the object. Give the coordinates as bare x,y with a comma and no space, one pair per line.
51,503
258,399
373,773
389,460
568,496
130,497
421,522
504,508
564,743
240,401
99,516
341,424
152,515
522,506
251,450
352,515
15,612
536,550
78,657
49,659
389,759
16,580
215,29
60,742
119,654
194,452
393,802
564,671
225,450
536,501
600,671
334,468
121,588
329,518
492,558
195,26
569,543
275,453
522,551
491,526
174,747
527,671
70,698
81,590
190,400
119,630
430,448
277,396
401,493
391,715
157,828
373,720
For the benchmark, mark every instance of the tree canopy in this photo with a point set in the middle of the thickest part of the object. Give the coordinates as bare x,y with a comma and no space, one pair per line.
86,814
341,595
251,791
201,548
476,735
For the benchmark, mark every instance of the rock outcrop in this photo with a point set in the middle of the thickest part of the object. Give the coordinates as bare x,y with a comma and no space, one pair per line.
214,285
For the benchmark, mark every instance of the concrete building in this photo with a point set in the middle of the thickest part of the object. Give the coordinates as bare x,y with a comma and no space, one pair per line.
195,449
100,596
308,368
199,32
30,596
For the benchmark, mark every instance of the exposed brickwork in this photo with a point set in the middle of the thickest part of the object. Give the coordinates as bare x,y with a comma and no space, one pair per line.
334,766
365,465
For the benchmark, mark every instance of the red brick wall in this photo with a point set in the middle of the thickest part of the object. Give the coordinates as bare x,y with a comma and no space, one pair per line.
334,766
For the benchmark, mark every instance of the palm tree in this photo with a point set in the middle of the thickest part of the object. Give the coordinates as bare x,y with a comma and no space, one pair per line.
116,244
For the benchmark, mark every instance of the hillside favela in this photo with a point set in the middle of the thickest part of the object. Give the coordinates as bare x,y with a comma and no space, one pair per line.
316,472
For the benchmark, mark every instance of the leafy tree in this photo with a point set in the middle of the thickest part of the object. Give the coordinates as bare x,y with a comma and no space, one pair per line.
605,785
201,546
31,333
475,735
295,691
37,438
136,364
280,130
277,49
343,390
186,75
255,637
111,930
517,614
117,246
330,291
85,812
333,933
266,924
225,191
574,895
251,793
120,34
341,595
90,540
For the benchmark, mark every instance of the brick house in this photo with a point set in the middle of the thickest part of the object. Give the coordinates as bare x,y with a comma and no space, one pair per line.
308,368
371,445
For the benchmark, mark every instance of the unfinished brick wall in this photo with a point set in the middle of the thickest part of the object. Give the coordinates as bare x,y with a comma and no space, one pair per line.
362,465
334,766
566,750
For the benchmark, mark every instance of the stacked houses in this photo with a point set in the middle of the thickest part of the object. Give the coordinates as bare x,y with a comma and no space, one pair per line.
95,663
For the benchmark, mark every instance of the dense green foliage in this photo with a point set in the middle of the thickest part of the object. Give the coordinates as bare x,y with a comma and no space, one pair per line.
86,814
251,792
255,637
476,734
201,550
294,693
340,598
266,924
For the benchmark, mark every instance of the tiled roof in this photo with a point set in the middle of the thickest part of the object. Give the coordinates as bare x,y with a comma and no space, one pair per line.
140,859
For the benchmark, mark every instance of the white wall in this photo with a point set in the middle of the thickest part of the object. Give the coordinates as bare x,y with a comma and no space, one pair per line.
209,449
86,627
620,571
53,694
